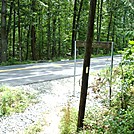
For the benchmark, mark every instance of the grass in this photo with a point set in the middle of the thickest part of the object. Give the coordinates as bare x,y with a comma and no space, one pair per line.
36,127
14,100
69,120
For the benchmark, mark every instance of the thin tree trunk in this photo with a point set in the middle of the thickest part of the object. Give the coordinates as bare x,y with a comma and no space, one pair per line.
33,34
14,23
27,51
48,31
10,17
33,42
40,38
59,39
98,12
54,38
109,26
100,20
19,33
3,33
78,16
86,64
74,27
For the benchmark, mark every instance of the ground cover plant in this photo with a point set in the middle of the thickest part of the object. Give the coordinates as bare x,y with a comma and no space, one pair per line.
14,100
119,117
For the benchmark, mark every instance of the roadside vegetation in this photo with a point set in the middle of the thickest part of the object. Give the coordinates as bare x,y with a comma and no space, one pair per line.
14,100
36,127
102,118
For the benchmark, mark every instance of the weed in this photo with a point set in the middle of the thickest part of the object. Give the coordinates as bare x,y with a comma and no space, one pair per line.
69,120
13,100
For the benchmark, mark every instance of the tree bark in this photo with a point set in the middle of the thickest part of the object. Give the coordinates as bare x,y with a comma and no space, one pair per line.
14,23
33,34
10,17
109,26
100,20
54,38
3,33
48,31
86,64
74,27
97,26
19,33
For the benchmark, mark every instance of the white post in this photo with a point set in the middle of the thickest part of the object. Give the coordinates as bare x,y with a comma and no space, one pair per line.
111,70
74,66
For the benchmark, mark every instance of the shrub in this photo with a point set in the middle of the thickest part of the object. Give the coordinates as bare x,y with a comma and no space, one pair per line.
13,100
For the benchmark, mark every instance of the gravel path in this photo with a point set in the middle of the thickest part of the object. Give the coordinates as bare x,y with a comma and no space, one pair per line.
53,97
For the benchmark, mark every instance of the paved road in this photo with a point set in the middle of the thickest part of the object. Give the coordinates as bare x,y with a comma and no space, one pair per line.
31,73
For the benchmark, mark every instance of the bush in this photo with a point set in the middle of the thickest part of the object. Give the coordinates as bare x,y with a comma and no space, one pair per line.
13,100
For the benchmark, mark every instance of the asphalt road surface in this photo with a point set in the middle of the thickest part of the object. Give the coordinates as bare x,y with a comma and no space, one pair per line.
31,73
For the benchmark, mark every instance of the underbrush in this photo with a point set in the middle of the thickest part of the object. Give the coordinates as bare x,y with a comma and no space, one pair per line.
35,128
118,117
102,119
14,100
69,120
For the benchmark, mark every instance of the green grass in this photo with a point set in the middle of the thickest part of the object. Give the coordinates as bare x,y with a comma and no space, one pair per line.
37,126
14,100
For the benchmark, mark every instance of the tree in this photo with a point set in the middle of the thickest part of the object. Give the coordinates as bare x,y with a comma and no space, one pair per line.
33,32
3,33
86,64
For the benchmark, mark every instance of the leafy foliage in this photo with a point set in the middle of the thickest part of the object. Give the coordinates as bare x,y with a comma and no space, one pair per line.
69,120
52,21
13,100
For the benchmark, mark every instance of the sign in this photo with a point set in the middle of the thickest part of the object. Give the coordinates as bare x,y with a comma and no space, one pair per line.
106,45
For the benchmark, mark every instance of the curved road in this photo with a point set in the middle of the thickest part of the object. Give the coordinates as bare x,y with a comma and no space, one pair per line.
30,73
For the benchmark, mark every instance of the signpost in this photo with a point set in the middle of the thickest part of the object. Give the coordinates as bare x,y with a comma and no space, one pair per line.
104,45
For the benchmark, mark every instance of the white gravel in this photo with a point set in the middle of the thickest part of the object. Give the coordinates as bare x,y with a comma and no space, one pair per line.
53,96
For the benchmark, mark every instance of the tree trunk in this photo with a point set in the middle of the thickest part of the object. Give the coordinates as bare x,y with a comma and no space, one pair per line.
14,23
76,19
48,31
98,12
78,16
3,33
33,42
54,38
28,36
74,27
10,17
100,20
109,26
59,37
19,33
86,64
33,34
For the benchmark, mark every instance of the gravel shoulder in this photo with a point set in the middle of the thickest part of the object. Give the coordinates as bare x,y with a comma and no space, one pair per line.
52,97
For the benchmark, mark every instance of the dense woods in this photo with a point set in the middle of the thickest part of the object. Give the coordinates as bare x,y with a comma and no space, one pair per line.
44,30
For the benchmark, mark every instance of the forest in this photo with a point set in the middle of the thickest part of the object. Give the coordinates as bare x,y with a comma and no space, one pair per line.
46,30
39,30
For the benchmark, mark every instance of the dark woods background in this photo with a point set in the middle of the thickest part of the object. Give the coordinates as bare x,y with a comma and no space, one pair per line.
45,30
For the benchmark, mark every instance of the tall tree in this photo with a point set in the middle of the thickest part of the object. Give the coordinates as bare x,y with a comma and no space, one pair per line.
86,64
74,27
19,33
14,29
48,29
3,32
100,20
76,19
33,32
